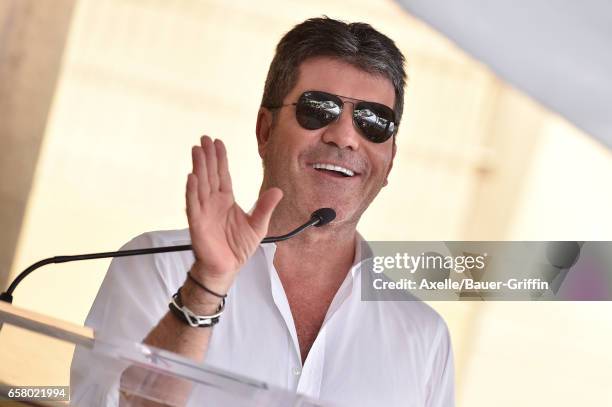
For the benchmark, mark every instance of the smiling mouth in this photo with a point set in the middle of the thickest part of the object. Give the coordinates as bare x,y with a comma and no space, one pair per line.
334,170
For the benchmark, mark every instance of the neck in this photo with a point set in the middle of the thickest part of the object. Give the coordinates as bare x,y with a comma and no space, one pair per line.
324,254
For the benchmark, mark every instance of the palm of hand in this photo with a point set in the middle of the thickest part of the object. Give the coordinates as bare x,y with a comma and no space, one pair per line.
223,236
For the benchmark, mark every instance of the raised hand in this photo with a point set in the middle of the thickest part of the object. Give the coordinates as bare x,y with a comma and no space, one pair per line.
223,236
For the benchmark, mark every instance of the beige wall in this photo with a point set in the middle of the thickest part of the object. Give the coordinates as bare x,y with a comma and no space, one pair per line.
141,80
32,38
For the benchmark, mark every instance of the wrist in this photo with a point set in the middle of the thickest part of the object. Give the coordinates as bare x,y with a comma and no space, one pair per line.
193,319
198,300
217,282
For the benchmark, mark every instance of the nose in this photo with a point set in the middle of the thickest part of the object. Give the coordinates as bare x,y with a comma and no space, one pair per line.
342,132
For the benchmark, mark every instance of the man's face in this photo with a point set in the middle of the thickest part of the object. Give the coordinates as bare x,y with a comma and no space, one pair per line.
290,152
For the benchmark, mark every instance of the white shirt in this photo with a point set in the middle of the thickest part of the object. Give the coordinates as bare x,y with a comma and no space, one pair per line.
367,353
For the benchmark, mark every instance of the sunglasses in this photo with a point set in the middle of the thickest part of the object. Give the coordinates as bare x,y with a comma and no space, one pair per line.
315,109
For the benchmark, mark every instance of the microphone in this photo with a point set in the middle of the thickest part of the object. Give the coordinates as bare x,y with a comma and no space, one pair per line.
318,218
325,215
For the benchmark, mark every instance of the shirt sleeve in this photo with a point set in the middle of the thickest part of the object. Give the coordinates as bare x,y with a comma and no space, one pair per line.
132,299
441,382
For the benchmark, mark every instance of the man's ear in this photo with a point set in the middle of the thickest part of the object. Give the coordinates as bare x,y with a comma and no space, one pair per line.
393,151
263,129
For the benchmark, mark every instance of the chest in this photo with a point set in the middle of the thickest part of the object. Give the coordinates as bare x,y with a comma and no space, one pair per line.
308,310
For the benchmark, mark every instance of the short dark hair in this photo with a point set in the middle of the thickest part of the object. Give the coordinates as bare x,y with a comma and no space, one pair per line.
355,43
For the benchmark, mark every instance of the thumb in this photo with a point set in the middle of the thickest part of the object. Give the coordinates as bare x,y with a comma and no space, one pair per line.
264,207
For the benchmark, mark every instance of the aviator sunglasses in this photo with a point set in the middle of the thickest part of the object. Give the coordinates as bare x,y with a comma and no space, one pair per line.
316,109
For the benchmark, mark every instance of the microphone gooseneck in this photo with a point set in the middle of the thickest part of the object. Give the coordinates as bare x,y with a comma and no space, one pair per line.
318,218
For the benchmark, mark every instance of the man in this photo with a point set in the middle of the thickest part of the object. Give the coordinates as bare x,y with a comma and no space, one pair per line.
293,316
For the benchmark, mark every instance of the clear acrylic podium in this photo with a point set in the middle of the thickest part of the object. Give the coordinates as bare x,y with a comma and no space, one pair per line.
151,369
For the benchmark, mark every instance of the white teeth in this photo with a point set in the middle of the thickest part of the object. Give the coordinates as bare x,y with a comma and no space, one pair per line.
332,167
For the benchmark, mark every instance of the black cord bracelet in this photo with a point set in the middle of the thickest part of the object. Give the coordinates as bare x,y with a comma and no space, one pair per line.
203,287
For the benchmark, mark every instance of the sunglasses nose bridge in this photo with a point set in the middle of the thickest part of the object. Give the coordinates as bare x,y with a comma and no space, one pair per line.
344,111
342,131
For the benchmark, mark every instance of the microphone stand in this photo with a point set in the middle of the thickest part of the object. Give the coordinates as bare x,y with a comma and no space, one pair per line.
318,218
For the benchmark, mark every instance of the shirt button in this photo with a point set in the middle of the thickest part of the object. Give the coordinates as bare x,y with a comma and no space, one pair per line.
296,371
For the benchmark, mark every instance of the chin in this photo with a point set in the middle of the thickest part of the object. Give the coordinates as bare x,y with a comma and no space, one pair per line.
345,208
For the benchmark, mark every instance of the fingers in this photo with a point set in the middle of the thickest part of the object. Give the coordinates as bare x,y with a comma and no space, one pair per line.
210,158
225,181
264,207
210,167
199,170
191,196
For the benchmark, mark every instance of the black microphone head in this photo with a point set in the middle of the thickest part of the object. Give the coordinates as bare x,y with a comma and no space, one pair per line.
324,215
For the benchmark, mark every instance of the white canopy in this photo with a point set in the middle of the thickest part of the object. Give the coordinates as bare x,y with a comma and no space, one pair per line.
559,52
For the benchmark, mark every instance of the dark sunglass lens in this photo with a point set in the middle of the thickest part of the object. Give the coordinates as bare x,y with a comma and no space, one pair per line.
317,109
375,121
